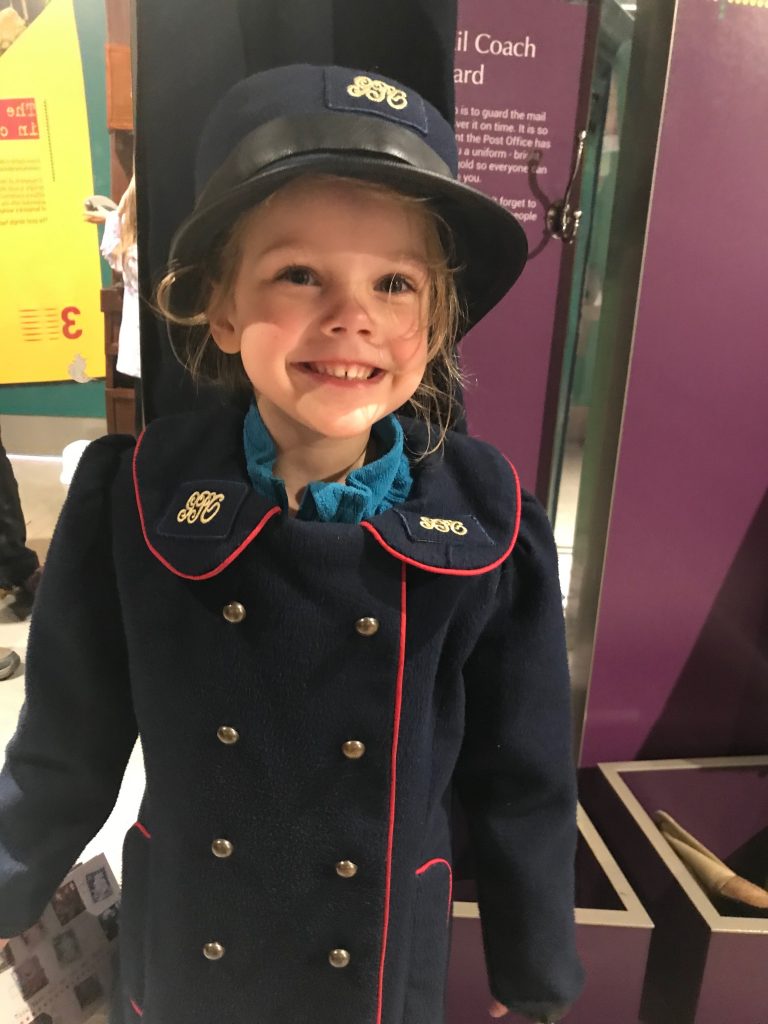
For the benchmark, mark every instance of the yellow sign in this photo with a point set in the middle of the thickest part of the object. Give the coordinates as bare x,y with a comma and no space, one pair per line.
51,326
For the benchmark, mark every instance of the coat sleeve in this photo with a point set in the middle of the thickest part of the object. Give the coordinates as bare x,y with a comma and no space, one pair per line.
76,730
515,779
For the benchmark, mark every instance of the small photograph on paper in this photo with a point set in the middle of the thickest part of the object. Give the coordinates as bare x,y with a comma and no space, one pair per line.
88,991
109,921
32,936
30,977
67,947
98,885
67,903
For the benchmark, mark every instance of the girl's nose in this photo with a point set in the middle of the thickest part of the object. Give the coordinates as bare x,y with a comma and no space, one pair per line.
348,313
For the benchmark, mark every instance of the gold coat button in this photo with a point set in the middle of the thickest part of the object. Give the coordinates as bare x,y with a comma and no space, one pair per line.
233,612
346,869
367,626
353,749
213,951
339,958
227,734
222,848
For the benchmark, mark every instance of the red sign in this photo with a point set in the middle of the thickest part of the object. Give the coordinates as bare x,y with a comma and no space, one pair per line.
18,119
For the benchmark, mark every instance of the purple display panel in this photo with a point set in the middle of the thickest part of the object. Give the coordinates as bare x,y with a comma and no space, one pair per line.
704,967
612,934
518,71
679,664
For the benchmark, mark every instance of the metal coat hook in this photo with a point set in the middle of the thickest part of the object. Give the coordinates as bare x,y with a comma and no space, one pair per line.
562,221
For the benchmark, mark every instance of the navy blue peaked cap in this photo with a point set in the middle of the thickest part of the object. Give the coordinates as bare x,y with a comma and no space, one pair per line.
301,119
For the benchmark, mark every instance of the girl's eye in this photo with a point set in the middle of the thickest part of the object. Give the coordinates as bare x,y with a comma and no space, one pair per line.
297,275
397,284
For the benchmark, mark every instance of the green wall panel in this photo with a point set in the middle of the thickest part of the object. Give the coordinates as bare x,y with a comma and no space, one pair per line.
53,399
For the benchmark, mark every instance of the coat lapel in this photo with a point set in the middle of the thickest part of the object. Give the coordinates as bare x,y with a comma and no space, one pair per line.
463,513
198,509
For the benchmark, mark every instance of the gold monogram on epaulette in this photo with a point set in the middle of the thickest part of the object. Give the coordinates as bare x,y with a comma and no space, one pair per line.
201,506
443,525
378,92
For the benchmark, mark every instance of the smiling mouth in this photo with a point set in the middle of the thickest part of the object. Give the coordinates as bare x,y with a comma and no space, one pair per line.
343,371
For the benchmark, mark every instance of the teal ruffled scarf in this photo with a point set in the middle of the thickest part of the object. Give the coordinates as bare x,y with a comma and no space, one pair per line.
367,491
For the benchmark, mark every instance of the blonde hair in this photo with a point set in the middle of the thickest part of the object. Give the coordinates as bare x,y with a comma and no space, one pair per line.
434,401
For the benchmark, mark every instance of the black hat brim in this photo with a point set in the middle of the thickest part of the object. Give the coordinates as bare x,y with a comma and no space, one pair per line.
491,247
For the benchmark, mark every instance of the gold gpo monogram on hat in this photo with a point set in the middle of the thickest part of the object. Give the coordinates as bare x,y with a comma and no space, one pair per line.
378,92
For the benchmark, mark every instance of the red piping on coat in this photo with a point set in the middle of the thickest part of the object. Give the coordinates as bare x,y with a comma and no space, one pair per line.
393,786
141,829
457,572
136,1008
440,860
177,572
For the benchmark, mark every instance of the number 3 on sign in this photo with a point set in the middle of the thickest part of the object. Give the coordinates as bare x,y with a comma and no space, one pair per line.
69,330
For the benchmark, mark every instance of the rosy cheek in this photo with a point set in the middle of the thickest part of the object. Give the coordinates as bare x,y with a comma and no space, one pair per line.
405,322
410,352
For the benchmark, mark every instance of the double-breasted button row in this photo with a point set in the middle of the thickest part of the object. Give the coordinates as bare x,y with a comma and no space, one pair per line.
233,612
336,958
223,848
354,750
367,626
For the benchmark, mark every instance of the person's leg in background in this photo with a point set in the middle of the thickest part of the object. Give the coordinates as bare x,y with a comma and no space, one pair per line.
19,565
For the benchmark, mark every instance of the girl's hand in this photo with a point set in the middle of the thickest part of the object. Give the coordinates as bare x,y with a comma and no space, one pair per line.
496,1009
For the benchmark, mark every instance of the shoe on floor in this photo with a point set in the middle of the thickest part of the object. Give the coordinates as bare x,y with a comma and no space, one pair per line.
9,662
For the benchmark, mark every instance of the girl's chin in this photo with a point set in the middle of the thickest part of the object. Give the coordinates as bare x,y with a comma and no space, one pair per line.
340,421
341,428
344,420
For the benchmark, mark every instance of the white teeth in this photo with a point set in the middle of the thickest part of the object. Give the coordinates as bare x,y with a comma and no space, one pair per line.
344,372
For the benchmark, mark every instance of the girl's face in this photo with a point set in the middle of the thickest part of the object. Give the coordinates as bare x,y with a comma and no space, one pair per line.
329,307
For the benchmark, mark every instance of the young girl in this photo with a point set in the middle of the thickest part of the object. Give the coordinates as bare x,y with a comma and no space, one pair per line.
321,619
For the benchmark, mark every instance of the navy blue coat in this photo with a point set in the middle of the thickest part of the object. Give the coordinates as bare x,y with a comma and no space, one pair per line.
308,695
